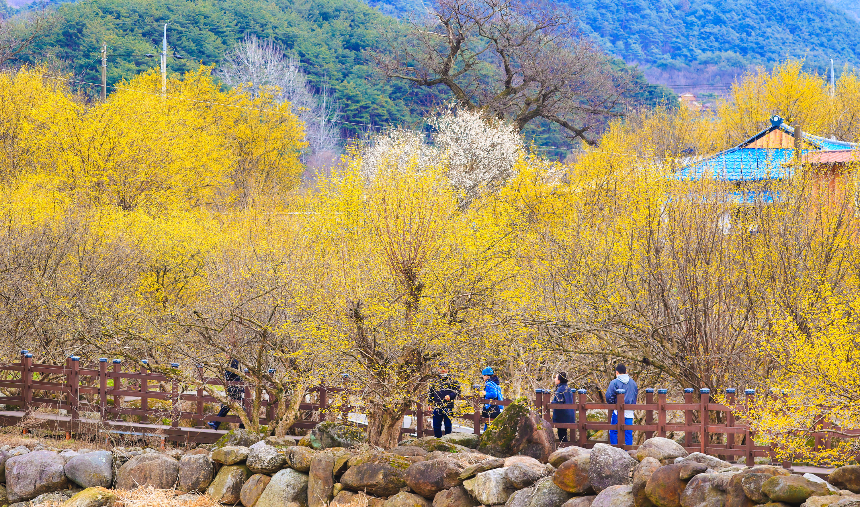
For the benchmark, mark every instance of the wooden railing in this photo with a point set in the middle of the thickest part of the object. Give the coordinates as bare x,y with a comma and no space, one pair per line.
117,398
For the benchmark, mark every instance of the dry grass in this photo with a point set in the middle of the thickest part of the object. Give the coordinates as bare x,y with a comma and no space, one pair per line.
150,497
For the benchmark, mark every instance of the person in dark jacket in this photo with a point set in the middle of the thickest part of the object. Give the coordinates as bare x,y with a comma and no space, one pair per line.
563,396
631,392
492,391
233,391
443,391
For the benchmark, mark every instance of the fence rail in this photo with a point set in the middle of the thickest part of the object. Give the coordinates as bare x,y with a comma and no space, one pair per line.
142,402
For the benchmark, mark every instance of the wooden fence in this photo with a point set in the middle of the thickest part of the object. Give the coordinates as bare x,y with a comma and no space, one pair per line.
139,401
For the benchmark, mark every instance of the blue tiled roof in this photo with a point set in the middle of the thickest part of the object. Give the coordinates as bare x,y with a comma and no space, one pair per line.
755,164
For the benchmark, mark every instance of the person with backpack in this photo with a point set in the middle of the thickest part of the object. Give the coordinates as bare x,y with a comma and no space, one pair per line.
443,391
233,391
631,392
562,396
492,391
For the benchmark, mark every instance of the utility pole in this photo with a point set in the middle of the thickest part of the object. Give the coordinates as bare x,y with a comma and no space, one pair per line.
832,79
164,64
104,71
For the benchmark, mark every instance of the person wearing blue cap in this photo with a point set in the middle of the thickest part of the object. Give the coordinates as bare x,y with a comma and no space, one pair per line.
492,391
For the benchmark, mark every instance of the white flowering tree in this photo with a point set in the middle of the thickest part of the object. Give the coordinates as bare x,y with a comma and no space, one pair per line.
480,152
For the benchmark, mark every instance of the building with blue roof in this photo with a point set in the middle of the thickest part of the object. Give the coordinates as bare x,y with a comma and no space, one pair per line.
768,155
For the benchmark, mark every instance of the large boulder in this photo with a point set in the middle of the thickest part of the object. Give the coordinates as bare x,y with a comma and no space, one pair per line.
431,444
847,477
404,499
662,449
752,486
792,489
91,497
547,494
240,438
517,430
566,453
253,488
454,497
196,472
580,501
614,496
228,484
705,490
378,478
265,459
93,469
33,474
711,461
299,458
523,471
230,454
288,488
331,434
610,466
735,494
321,479
573,475
665,486
350,499
490,487
469,440
430,477
152,469
481,466
520,498
641,474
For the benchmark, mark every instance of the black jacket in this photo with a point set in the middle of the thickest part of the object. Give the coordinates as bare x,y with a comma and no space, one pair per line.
444,385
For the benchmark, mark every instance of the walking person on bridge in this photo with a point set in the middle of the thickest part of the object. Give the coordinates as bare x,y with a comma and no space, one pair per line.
233,391
563,396
492,391
443,391
631,392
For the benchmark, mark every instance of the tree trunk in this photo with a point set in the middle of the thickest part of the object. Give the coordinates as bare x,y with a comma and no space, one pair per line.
288,410
383,425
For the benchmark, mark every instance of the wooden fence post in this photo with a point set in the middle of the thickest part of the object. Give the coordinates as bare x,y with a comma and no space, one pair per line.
102,387
75,393
27,375
419,420
117,383
582,419
476,417
649,414
705,418
324,404
539,401
200,393
730,420
688,417
661,412
175,395
749,394
619,407
144,389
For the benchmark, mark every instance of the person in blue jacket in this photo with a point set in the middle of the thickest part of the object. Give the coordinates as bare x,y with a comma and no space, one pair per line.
631,392
563,396
492,391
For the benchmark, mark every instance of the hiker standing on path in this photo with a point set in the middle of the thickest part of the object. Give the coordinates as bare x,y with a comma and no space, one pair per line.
492,391
631,392
443,392
563,396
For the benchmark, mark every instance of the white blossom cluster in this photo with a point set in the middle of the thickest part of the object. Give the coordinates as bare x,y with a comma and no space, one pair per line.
478,152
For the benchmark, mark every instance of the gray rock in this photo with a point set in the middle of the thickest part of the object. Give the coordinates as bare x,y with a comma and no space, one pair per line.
230,454
792,489
68,454
156,470
454,497
51,498
196,472
265,459
690,470
752,483
299,458
710,461
815,478
285,441
3,457
566,453
482,466
35,473
665,486
92,497
847,477
376,478
288,488
93,469
240,438
573,475
662,449
490,487
614,496
430,477
523,475
641,474
227,485
610,466
404,499
547,494
331,434
520,498
469,440
705,490
253,488
18,451
580,501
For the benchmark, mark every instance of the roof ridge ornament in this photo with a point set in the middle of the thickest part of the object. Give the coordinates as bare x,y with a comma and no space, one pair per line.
776,120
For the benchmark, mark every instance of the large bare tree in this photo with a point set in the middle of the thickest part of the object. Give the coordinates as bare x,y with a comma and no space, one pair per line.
517,60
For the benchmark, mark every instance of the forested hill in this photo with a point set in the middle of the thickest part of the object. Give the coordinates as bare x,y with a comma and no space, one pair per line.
681,38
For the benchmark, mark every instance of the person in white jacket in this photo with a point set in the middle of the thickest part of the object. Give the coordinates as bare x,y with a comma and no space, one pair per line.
621,382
